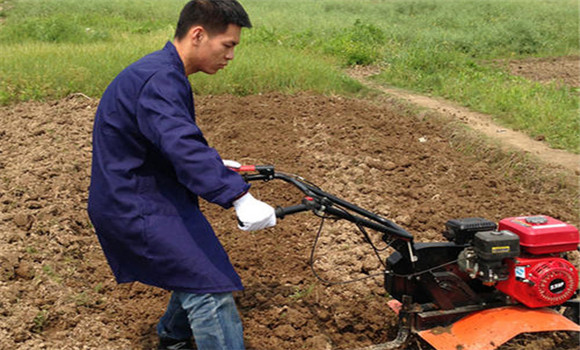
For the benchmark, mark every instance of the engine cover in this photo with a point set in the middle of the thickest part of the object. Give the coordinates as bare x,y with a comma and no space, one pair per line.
540,282
542,234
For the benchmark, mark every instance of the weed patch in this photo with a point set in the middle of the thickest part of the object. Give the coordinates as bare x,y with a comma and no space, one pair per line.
357,45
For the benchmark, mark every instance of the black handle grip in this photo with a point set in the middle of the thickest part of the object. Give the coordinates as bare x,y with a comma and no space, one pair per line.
282,212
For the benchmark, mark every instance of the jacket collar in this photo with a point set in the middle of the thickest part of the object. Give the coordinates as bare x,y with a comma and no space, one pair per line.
175,59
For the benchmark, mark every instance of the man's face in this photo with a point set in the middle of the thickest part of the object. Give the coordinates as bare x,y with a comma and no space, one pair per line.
215,51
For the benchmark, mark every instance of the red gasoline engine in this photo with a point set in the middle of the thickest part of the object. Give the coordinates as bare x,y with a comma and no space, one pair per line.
523,256
539,277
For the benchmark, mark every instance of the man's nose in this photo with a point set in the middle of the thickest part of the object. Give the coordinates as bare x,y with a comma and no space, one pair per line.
230,54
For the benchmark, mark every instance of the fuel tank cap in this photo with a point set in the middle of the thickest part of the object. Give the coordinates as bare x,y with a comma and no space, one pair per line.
536,220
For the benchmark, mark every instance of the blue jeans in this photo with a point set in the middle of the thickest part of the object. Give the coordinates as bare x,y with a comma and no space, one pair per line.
212,319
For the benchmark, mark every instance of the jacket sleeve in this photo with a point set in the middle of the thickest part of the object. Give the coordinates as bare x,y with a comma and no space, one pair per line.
165,116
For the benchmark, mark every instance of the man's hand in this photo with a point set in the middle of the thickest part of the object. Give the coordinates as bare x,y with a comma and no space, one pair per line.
253,214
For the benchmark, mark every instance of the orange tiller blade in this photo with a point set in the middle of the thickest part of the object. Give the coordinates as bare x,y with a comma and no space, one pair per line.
488,329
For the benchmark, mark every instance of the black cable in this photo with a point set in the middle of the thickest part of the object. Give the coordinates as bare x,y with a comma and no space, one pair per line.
325,281
366,236
375,249
301,179
331,283
318,234
354,220
430,269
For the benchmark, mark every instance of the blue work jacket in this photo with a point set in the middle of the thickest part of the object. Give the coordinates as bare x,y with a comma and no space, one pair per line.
150,164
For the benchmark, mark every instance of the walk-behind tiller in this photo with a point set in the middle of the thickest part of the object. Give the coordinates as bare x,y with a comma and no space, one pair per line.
486,285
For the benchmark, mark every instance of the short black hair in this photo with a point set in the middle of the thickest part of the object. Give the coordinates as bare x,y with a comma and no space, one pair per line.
213,15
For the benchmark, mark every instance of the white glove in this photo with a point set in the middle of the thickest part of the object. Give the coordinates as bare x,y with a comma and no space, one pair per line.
232,164
253,214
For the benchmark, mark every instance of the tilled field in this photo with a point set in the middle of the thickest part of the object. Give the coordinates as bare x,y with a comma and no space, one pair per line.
57,292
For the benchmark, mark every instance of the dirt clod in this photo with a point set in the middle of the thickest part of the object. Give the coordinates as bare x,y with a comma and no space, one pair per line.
23,221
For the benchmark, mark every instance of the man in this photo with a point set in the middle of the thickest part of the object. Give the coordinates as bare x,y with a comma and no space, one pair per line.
150,164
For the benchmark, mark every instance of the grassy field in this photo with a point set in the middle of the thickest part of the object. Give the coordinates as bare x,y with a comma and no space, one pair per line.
51,48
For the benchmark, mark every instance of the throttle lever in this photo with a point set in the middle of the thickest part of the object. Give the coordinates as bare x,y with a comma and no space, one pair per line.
282,212
308,203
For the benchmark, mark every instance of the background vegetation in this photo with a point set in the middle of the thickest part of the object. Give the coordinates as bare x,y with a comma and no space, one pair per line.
51,48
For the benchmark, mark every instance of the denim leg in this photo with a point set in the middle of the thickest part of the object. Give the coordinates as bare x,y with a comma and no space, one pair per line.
174,324
214,320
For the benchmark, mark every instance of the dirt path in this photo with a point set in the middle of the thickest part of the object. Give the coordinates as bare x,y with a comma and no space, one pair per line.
478,121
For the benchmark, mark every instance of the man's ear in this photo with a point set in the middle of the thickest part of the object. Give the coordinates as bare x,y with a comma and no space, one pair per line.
196,34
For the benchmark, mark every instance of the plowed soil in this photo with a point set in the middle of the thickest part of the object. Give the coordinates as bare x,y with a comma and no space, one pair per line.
57,292
559,70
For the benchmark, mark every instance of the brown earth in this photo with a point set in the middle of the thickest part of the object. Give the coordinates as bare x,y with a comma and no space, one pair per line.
559,70
57,292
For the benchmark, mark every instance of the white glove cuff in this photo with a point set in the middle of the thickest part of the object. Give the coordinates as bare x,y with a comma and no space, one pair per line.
246,198
231,164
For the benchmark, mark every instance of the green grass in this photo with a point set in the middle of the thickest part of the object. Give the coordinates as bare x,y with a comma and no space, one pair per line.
51,48
64,46
37,70
263,68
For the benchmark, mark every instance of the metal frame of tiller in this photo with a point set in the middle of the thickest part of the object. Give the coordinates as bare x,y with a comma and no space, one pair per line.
321,202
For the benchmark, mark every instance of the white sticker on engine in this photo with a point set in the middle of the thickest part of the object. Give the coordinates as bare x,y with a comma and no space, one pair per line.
520,272
548,226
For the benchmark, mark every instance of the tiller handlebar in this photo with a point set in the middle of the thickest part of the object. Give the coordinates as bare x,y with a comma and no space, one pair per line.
321,202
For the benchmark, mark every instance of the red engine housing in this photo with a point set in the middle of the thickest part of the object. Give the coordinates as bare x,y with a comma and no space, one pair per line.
542,234
540,281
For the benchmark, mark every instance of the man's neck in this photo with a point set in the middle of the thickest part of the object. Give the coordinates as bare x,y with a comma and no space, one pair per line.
183,53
